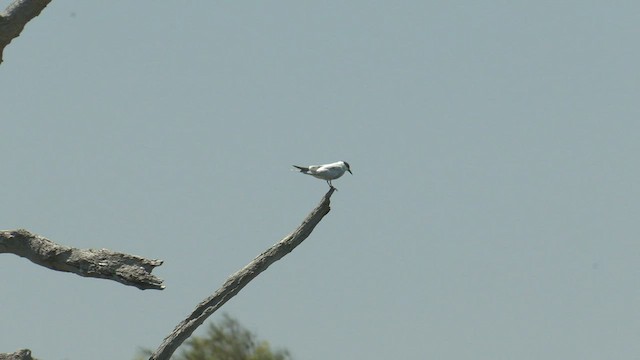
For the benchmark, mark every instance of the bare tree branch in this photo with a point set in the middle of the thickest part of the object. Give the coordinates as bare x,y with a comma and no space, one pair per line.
23,354
240,279
105,264
15,17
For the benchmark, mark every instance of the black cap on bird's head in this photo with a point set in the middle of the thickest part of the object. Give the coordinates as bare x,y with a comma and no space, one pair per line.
348,167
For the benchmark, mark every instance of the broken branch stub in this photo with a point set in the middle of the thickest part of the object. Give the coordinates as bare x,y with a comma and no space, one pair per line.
97,263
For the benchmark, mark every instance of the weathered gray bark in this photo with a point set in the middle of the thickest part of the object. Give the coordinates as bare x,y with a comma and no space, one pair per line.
23,354
15,17
98,263
240,279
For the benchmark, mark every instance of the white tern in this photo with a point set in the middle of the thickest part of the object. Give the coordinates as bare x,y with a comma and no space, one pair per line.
326,172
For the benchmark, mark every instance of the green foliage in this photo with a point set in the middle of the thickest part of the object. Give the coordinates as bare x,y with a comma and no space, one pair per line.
228,340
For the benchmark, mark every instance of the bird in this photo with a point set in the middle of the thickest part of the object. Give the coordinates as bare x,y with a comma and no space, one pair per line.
326,172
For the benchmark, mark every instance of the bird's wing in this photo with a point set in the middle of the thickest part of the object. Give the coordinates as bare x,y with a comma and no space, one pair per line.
315,168
329,167
329,171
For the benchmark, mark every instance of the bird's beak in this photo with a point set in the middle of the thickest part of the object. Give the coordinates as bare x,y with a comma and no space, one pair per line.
349,170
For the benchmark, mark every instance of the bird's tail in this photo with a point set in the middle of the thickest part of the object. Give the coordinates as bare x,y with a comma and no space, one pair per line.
301,168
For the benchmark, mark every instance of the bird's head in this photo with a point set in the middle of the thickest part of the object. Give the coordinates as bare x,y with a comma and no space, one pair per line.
346,164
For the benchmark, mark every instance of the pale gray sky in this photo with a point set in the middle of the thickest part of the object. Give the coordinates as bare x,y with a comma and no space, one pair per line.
492,214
